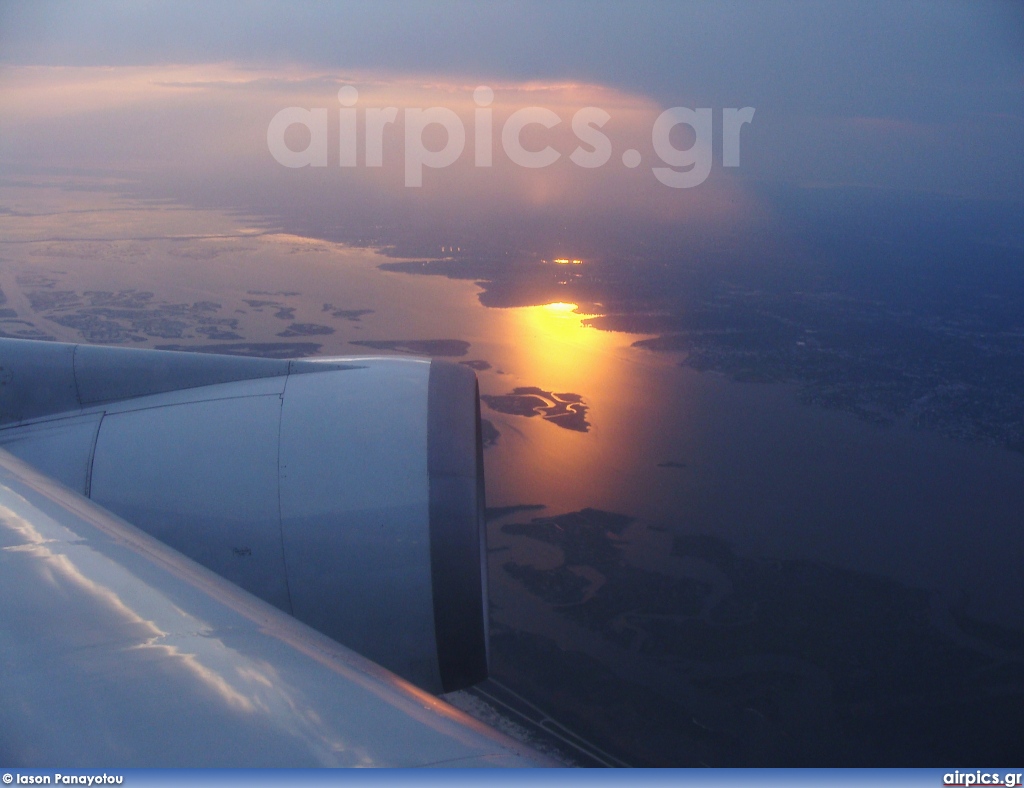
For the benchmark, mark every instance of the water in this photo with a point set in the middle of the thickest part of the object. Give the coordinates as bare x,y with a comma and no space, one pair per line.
695,570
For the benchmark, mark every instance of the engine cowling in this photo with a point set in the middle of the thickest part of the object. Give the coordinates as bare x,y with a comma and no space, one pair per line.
348,492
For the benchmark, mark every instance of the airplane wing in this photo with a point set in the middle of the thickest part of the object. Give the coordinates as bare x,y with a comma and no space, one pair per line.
347,493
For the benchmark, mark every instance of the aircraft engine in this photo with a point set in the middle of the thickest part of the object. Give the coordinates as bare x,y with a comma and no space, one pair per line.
348,491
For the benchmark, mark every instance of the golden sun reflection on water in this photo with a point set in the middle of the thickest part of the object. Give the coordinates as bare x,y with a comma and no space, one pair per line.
551,347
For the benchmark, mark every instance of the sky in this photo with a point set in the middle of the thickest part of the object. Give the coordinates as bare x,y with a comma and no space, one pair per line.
921,61
920,97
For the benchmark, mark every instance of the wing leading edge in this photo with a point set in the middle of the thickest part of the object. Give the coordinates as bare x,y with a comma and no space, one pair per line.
116,649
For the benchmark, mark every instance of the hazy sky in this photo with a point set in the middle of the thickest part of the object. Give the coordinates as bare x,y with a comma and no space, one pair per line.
921,61
920,96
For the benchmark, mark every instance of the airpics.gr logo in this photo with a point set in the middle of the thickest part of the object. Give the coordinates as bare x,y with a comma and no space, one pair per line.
978,777
683,168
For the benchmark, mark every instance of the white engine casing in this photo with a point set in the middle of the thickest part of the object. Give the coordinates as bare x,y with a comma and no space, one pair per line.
348,492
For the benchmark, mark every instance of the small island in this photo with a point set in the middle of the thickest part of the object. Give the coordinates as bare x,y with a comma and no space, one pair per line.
565,410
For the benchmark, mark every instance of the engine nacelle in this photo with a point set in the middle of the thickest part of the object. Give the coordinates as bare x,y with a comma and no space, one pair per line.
348,492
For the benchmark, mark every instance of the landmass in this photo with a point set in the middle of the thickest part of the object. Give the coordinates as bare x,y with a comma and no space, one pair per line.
131,315
566,410
13,327
497,512
889,329
418,347
352,315
305,330
282,312
489,434
713,658
261,349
